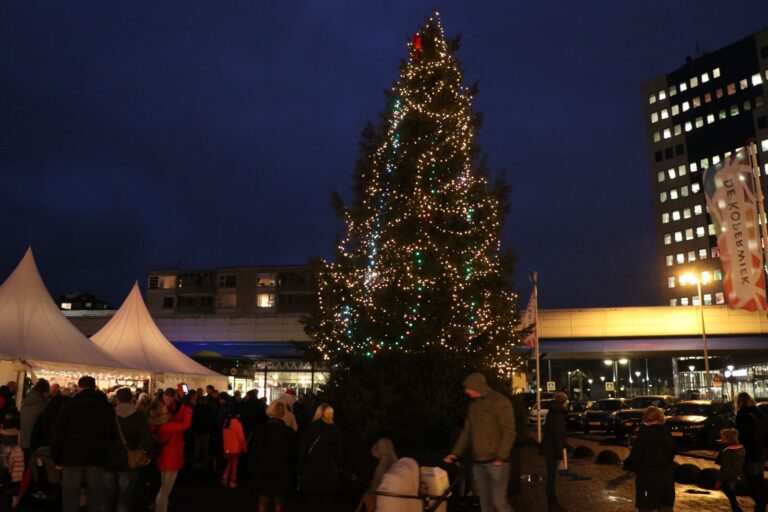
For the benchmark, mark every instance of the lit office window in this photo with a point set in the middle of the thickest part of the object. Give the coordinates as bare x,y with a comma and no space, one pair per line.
710,118
731,88
716,73
743,84
689,234
695,300
708,97
684,191
688,126
665,218
670,260
698,209
684,301
686,213
694,81
676,215
671,173
654,117
720,298
746,106
757,79
721,114
678,236
715,252
700,231
707,299
662,94
686,106
719,93
667,133
695,187
718,274
683,86
652,99
671,282
660,176
677,129
696,102
664,113
672,90
693,166
656,136
673,302
680,257
712,231
667,239
673,193
715,160
681,170
699,122
691,256
662,197
734,110
764,145
704,163
675,110
702,254
704,78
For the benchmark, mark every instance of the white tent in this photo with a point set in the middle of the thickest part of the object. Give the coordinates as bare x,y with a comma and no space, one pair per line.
132,336
35,334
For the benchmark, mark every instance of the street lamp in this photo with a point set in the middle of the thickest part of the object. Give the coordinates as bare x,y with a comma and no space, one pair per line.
637,375
704,278
731,378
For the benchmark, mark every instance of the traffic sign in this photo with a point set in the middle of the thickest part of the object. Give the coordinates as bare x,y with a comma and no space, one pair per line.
550,385
609,386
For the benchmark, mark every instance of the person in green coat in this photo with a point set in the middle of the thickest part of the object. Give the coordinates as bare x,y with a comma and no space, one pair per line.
489,430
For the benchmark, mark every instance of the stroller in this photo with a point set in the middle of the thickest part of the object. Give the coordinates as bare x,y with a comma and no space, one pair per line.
408,488
41,488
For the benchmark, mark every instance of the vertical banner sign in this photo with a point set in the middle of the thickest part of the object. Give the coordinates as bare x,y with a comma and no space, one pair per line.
529,320
730,193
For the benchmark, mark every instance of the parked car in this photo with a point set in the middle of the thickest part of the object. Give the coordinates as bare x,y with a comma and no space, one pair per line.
576,412
597,417
626,421
700,420
545,405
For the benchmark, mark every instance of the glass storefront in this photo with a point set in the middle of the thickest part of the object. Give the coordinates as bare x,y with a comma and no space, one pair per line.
273,377
727,381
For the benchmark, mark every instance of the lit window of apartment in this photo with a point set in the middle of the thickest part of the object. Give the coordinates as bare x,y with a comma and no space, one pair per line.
662,94
700,231
731,88
675,110
694,81
662,197
698,209
686,213
265,300
652,99
670,260
702,254
667,239
226,301
719,298
268,279
691,256
689,234
716,73
665,218
696,102
684,191
743,84
673,193
684,301
708,97
228,281
162,282
757,79
676,215
655,117
678,236
686,106
671,282
671,173
710,118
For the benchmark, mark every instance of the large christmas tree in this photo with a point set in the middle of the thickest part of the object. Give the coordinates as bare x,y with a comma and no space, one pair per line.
419,269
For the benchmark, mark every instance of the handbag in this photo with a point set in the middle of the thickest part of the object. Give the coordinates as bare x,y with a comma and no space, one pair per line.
137,457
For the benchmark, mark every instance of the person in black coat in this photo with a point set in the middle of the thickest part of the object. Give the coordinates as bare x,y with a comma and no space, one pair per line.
273,448
552,445
652,458
84,430
319,456
751,424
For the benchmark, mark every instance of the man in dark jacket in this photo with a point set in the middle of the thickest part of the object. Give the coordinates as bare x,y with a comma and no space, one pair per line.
490,431
32,407
82,435
751,424
120,481
552,444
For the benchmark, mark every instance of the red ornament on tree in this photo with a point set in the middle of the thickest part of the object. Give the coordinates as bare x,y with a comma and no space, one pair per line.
417,48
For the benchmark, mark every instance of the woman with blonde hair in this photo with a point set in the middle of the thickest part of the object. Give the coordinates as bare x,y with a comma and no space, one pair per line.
652,456
274,447
319,456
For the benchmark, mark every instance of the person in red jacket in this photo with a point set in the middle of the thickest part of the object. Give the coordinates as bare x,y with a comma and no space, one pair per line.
168,432
234,446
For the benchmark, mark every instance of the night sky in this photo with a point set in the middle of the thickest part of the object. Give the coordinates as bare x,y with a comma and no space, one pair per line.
137,135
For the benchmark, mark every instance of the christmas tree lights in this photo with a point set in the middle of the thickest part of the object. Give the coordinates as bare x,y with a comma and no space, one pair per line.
419,267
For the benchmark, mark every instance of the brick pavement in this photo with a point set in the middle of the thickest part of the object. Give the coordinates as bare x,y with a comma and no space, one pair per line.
610,489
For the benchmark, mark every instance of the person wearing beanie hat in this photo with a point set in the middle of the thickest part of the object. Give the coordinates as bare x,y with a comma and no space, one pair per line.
489,429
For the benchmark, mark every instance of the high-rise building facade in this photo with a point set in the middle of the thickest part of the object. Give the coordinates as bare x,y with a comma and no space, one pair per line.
696,117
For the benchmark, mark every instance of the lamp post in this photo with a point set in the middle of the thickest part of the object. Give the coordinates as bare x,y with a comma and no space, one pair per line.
629,371
698,281
730,377
637,375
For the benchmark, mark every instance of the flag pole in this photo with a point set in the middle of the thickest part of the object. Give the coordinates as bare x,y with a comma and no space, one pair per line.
534,278
752,151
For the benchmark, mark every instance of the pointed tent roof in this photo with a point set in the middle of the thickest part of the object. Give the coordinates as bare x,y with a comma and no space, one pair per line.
132,336
33,329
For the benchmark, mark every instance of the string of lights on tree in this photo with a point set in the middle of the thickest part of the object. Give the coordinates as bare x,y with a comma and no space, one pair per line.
419,266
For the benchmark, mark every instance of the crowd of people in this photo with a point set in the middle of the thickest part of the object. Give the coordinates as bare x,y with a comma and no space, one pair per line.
120,450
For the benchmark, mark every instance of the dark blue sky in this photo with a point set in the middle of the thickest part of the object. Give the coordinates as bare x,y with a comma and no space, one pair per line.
136,135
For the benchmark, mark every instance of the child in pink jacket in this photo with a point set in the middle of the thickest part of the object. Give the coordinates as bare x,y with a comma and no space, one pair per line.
234,446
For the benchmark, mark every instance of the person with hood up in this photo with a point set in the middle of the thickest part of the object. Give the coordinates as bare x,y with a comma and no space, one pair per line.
552,445
31,408
652,458
234,447
489,430
752,425
384,450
